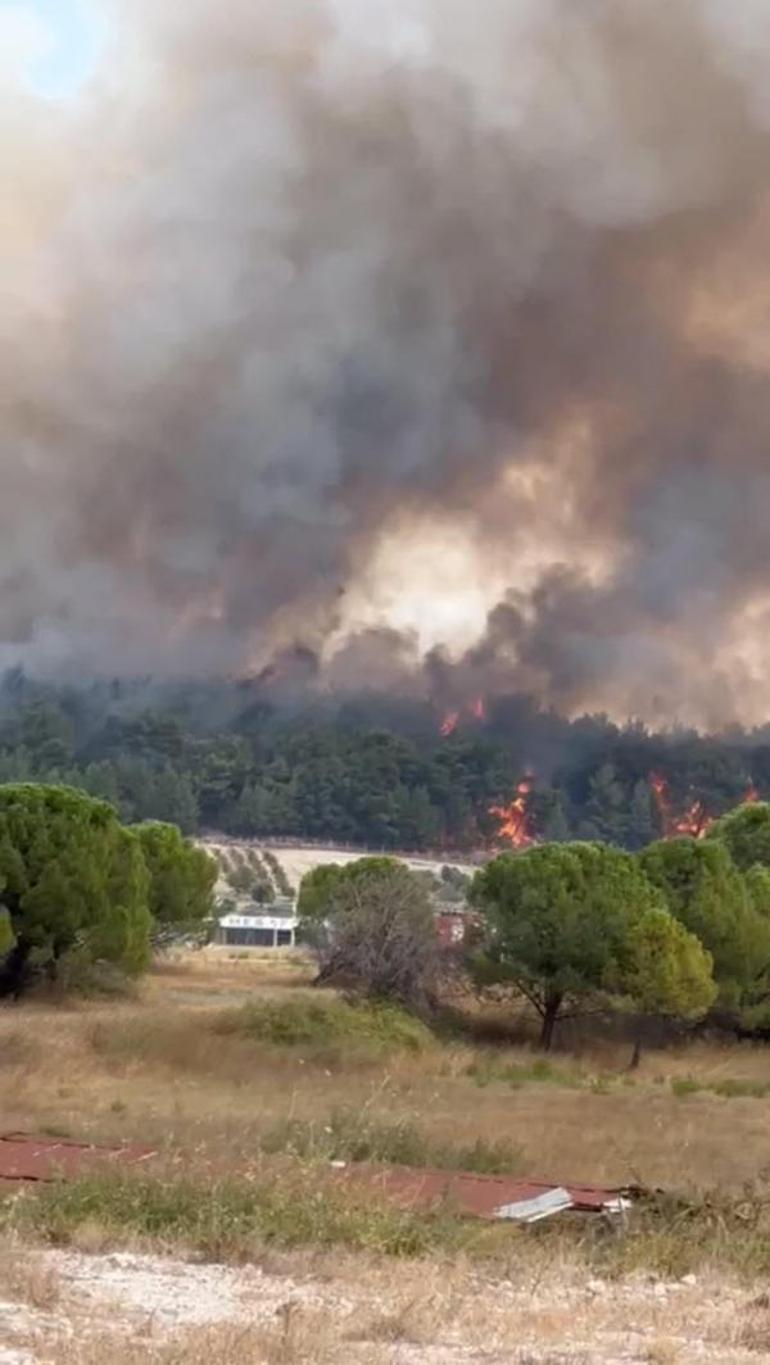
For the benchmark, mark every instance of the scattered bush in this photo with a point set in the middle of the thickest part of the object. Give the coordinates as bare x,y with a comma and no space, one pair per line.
226,1220
685,1085
729,1089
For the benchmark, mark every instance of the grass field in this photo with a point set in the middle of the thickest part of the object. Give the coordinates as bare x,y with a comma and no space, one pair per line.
249,1082
178,1066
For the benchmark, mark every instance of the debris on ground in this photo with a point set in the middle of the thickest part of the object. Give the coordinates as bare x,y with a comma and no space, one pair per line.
489,1196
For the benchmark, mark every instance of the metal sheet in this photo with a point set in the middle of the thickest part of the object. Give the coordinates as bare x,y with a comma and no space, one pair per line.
477,1196
535,1210
25,1158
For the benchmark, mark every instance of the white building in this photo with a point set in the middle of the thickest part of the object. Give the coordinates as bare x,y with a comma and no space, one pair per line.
272,927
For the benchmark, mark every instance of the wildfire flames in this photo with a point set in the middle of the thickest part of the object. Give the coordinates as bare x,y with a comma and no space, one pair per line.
516,823
475,709
695,822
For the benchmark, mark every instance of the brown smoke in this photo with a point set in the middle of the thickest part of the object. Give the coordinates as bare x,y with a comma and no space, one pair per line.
287,276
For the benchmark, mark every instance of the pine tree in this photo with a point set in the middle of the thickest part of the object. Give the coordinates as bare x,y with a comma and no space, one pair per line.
643,822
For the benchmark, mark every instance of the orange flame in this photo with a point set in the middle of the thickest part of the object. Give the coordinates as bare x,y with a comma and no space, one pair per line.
516,818
450,723
476,709
695,822
751,796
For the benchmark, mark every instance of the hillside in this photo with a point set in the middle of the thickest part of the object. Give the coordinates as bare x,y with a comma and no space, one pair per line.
246,863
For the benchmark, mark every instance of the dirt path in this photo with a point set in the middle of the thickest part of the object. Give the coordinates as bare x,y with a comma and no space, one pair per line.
58,1306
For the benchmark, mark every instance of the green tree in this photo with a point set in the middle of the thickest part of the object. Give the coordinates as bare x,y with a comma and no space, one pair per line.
746,833
71,876
372,925
707,893
170,799
666,970
319,889
644,826
263,892
46,736
182,876
556,920
551,818
606,810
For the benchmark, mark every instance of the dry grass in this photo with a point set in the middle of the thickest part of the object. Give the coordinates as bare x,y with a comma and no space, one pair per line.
157,1070
26,1277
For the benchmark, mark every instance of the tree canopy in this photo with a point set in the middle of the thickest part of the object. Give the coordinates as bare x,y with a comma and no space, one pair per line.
556,922
70,875
182,876
727,911
745,832
666,969
370,770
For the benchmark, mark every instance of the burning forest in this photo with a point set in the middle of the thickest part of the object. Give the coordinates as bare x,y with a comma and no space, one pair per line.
469,381
693,821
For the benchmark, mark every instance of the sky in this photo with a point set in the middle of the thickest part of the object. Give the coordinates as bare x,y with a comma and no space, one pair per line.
50,46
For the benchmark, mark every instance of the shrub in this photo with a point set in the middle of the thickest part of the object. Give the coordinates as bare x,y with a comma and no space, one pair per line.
371,923
327,1026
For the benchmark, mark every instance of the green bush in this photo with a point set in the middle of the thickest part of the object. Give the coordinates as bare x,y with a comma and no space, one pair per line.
685,1085
327,1024
741,1089
729,1089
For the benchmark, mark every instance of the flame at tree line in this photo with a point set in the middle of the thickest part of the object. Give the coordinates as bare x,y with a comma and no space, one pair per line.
516,824
694,822
517,827
475,710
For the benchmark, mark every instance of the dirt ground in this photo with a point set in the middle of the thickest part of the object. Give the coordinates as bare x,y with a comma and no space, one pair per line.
58,1307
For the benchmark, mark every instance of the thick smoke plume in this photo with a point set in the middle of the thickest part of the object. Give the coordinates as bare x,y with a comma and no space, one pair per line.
293,288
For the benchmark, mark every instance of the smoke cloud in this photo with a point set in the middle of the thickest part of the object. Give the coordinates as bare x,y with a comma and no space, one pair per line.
290,287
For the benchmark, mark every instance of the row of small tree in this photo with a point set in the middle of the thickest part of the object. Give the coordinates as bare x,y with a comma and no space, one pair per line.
76,883
680,930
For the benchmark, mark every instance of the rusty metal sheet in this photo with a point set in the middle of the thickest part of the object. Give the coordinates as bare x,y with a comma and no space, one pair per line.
479,1196
27,1158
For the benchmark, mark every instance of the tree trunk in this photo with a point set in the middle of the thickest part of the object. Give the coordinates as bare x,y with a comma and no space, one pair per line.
636,1055
553,1004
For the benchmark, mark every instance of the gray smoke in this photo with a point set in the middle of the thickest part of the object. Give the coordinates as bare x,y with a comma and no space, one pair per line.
289,274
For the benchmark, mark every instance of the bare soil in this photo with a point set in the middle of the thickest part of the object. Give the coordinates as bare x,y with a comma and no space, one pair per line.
58,1306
